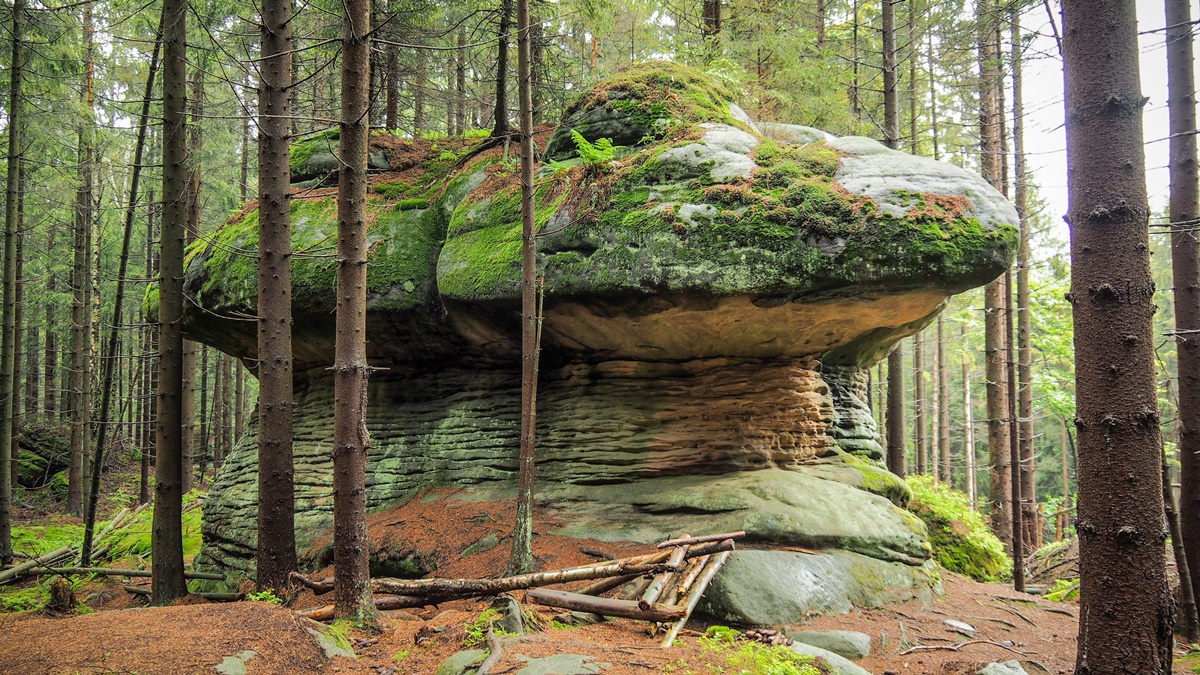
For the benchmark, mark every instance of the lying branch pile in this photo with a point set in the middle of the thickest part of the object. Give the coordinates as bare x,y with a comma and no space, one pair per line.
662,587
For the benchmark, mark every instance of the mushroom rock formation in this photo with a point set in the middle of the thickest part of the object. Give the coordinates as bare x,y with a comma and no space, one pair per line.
714,292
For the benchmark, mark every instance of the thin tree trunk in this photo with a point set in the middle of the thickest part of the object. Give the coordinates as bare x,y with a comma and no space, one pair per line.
205,427
419,85
996,343
18,326
190,348
239,403
919,432
820,25
50,360
7,334
1018,504
711,19
460,84
350,438
1185,266
500,115
1024,326
1066,482
944,403
1187,596
914,141
167,546
149,366
891,110
276,552
969,425
1125,619
897,436
226,414
392,105
521,559
108,357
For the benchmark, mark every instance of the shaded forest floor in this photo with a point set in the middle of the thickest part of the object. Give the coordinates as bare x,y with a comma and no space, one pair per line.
449,537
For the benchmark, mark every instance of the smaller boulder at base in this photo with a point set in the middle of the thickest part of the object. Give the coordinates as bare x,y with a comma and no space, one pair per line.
841,665
848,643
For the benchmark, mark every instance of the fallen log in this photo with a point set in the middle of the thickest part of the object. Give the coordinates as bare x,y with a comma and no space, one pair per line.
696,592
464,588
663,581
685,540
46,559
604,606
111,572
382,602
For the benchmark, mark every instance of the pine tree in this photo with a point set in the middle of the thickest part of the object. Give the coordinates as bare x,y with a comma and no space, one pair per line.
1125,619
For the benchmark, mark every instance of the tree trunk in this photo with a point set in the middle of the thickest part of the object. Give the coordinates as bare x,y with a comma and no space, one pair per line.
968,425
276,553
18,319
711,19
392,94
149,365
521,559
1018,504
1185,266
350,438
239,403
500,115
891,110
167,547
1024,326
920,439
1125,619
50,359
460,84
190,348
8,334
419,85
995,340
820,25
897,437
943,426
205,427
108,357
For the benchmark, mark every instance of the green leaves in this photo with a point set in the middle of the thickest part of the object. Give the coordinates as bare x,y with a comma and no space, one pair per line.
596,157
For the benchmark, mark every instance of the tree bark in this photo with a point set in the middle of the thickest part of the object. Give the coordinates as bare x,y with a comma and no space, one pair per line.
18,318
190,348
350,437
421,81
1024,326
50,358
1185,266
167,546
276,552
8,334
995,340
1126,619
968,425
920,437
460,84
897,437
500,116
891,110
521,558
943,425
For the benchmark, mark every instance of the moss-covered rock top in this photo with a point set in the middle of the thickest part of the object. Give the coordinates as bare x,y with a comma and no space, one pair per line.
960,538
669,228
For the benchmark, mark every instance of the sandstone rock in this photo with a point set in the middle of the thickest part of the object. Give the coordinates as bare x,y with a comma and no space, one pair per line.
462,663
845,643
768,588
712,298
562,664
840,664
1005,668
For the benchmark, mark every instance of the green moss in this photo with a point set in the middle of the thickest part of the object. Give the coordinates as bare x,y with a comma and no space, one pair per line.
300,152
1063,590
392,189
134,538
961,540
36,597
661,89
36,540
410,204
753,657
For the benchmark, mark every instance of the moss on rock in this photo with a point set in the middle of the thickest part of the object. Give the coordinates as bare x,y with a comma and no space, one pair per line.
961,540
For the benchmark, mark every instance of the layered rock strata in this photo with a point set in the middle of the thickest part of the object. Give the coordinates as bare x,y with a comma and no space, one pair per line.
713,294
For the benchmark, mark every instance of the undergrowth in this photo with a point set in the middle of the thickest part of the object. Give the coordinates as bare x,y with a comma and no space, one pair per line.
476,631
960,538
742,656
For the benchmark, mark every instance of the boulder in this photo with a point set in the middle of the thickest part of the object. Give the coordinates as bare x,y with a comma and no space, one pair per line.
845,643
1005,668
462,663
714,294
840,665
770,588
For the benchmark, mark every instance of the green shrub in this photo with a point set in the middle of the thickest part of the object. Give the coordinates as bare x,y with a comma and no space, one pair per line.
960,538
596,156
753,657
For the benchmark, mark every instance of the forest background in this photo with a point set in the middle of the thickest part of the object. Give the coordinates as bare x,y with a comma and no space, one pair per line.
811,62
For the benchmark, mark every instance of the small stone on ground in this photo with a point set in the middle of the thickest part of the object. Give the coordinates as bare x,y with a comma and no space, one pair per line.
844,666
561,664
1006,668
850,644
462,663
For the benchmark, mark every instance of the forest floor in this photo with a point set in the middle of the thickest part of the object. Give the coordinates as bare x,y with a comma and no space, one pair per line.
122,636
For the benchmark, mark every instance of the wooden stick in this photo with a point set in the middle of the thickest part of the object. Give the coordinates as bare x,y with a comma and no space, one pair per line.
685,580
110,572
381,602
706,576
702,539
604,606
477,587
661,581
46,559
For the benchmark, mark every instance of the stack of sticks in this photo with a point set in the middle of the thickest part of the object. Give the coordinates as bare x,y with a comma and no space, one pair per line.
662,587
